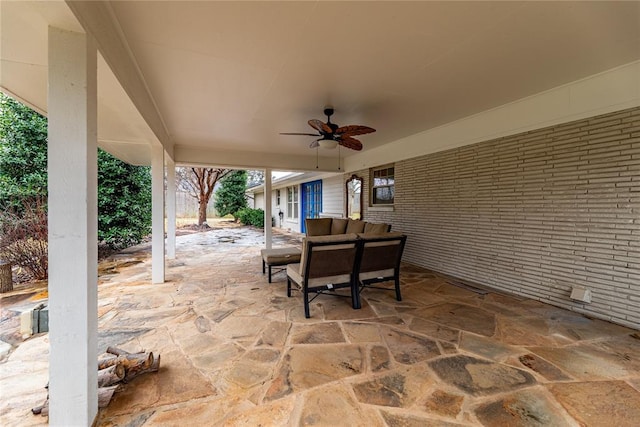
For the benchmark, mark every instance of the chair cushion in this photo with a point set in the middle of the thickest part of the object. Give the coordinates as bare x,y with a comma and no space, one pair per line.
339,225
318,226
355,226
280,256
372,228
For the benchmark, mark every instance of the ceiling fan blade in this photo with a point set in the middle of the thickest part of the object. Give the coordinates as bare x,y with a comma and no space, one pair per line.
351,130
348,142
296,133
320,126
314,144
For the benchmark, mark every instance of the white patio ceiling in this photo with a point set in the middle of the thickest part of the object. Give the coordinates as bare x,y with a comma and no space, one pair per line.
217,81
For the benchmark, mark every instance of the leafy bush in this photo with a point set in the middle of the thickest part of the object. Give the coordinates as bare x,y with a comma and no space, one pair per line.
23,238
249,216
124,202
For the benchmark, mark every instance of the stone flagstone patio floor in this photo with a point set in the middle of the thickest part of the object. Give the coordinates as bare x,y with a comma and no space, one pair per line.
236,351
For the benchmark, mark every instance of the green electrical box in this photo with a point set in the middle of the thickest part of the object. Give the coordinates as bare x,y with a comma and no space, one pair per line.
40,319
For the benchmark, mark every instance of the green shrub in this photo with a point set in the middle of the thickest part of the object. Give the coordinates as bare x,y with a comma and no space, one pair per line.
248,216
124,202
230,197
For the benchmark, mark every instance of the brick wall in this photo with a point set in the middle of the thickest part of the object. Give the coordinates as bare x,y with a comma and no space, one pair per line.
532,214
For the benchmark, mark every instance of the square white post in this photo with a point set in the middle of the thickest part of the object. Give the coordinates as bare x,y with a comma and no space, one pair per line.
73,229
267,209
157,214
171,208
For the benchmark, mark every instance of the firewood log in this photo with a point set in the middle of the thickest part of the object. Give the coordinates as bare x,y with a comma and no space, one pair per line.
128,361
110,375
105,394
155,366
106,362
120,352
136,361
45,408
137,366
117,351
38,409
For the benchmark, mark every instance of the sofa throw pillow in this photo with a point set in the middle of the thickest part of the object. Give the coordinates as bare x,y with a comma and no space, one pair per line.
318,226
371,228
355,226
339,225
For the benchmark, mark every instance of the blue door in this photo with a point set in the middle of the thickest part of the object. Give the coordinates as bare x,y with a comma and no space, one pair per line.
311,201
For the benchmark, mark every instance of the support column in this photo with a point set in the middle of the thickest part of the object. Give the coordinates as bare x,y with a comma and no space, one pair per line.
157,214
171,208
267,209
73,228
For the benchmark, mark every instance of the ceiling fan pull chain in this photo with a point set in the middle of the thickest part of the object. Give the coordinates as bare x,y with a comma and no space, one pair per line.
317,157
338,157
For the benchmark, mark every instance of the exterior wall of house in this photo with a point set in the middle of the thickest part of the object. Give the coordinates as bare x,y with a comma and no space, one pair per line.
333,196
332,203
533,214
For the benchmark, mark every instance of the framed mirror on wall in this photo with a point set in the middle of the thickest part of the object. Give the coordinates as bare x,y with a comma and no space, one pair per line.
353,197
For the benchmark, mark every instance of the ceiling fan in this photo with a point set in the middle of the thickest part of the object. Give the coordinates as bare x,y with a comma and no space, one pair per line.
331,134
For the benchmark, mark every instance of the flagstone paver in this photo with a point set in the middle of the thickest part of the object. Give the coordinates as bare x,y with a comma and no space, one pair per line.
409,348
236,351
400,388
335,406
444,403
527,408
480,377
542,367
461,316
394,419
604,403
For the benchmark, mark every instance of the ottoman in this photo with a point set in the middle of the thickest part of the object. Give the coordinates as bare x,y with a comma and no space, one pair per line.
279,257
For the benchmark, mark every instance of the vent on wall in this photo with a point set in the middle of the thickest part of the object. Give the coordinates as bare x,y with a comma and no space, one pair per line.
579,293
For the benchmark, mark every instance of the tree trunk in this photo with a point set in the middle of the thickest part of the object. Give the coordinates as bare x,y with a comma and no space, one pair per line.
202,211
6,280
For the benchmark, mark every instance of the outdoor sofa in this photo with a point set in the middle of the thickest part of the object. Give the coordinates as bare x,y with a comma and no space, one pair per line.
281,257
339,260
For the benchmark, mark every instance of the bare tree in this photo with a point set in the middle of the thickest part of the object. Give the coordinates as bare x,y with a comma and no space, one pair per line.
255,177
199,183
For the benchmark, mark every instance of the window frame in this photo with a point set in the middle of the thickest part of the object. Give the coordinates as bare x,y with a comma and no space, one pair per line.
373,187
294,203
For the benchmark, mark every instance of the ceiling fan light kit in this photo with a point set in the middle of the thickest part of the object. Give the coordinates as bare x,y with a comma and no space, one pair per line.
328,143
331,135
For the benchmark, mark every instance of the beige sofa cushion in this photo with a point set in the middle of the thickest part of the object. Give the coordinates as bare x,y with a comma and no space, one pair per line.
371,236
319,239
293,271
371,228
318,226
355,226
339,225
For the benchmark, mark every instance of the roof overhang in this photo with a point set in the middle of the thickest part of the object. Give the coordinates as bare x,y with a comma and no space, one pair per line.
216,82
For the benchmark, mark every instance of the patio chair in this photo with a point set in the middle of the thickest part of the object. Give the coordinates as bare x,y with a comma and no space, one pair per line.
328,263
380,261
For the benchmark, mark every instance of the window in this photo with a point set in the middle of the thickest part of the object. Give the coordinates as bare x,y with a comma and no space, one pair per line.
277,197
382,186
292,202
